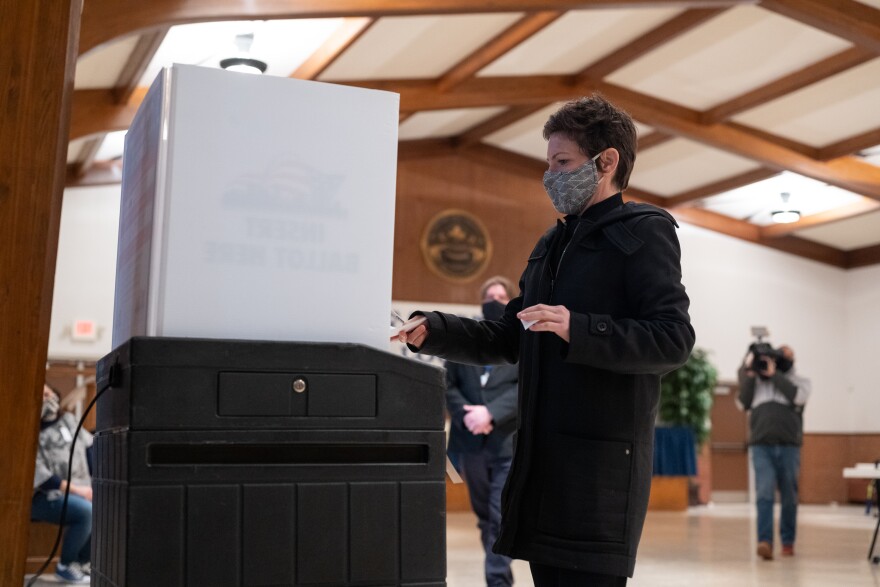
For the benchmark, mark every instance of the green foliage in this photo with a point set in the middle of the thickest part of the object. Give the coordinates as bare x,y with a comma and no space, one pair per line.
686,395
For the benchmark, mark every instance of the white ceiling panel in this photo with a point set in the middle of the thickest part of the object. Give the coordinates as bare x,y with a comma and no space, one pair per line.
850,234
112,146
834,109
755,202
101,68
680,165
525,136
444,123
412,47
282,44
740,50
577,39
74,148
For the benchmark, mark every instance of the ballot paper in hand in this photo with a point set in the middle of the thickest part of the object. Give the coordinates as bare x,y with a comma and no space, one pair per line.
408,326
528,323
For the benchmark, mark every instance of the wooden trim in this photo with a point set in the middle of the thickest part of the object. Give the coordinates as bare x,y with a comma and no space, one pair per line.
40,40
854,21
863,206
504,42
137,64
802,78
731,183
104,20
342,38
647,42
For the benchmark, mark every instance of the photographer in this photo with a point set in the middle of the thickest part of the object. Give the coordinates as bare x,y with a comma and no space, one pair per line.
774,396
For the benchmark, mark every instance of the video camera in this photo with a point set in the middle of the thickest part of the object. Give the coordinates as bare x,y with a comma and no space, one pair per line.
763,352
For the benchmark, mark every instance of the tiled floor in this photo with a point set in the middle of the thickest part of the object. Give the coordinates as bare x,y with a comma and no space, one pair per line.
713,546
709,546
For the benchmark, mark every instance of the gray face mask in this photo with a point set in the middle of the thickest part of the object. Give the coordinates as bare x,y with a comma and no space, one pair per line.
50,409
571,191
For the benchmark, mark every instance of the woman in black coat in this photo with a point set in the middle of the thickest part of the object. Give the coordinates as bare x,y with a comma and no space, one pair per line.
601,317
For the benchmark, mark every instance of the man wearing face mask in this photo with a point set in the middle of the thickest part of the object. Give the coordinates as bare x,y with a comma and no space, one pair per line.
50,481
481,401
601,316
775,397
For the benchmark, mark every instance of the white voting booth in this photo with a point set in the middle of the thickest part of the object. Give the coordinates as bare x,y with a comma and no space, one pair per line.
257,207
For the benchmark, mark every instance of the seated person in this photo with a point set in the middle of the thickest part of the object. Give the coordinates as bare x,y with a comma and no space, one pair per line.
50,481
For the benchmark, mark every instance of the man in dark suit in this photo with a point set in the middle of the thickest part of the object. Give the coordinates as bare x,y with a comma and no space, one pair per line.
482,407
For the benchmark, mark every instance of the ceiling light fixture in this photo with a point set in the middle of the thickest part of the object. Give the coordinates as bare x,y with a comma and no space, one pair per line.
244,65
243,62
787,215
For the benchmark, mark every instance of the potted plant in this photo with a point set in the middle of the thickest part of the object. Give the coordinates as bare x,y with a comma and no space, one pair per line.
686,396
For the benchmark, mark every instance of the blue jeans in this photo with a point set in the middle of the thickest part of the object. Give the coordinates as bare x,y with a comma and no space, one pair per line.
485,476
76,546
776,467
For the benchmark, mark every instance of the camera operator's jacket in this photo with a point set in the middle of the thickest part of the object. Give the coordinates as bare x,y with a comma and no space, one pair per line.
578,488
775,405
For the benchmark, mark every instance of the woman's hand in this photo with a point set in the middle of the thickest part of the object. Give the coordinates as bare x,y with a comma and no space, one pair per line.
549,319
412,335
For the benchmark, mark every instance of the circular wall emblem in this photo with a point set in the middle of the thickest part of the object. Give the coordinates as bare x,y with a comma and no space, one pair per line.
456,245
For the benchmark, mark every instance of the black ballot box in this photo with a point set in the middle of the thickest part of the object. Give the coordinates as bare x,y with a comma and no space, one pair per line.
245,463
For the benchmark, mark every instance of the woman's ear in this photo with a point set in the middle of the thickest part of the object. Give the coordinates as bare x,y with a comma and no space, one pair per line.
608,160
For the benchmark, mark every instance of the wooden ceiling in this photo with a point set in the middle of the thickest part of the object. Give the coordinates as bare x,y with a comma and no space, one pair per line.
799,103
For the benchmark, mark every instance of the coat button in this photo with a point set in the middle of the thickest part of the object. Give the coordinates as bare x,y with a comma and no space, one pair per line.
602,326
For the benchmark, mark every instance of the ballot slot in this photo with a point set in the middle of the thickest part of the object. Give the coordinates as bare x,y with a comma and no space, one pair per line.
285,454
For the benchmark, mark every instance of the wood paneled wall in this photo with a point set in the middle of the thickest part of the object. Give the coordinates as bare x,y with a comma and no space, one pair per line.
513,206
823,458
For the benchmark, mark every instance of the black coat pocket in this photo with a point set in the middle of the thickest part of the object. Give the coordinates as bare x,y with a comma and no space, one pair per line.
585,494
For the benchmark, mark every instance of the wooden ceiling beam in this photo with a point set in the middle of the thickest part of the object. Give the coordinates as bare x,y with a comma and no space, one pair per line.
647,42
335,45
851,145
421,148
857,208
506,118
495,48
751,233
724,185
99,173
863,257
854,21
849,173
792,82
87,155
97,111
137,64
507,161
105,20
653,139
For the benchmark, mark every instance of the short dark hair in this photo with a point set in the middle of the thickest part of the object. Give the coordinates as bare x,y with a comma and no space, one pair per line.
596,124
498,280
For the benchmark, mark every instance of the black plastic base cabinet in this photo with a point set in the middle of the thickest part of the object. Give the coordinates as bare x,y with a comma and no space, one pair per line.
250,463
